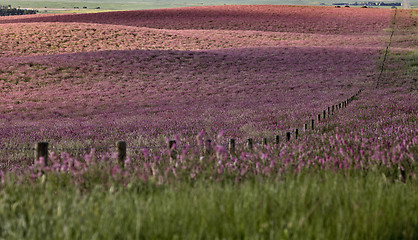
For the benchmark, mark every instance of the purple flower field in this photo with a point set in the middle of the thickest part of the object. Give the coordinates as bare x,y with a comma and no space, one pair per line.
86,89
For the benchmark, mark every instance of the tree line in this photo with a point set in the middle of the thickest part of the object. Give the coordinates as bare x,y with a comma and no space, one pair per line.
9,10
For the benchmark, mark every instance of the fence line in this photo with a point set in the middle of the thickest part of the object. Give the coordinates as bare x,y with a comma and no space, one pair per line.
382,68
41,149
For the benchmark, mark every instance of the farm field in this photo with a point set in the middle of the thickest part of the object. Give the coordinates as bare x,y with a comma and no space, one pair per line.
243,77
86,6
84,81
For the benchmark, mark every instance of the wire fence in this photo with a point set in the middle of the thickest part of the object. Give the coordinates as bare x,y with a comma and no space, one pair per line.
382,67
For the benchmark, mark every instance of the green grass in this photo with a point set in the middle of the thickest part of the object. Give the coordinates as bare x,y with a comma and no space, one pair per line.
319,206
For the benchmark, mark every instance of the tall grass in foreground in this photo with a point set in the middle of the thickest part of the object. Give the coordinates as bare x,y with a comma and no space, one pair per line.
305,206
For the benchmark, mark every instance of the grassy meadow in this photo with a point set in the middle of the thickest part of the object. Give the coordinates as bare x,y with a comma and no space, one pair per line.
201,76
308,206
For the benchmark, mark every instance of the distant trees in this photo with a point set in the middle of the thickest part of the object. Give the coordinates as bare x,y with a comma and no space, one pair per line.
9,10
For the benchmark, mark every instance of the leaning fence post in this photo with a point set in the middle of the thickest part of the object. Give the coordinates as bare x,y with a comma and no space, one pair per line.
121,148
172,147
41,150
231,145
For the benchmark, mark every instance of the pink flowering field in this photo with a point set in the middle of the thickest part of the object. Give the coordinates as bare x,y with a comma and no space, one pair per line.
88,80
178,86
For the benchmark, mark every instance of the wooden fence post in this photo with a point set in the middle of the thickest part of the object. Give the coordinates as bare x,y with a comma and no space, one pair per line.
332,110
305,127
172,147
250,144
231,145
121,148
41,150
288,136
277,139
319,118
325,114
296,133
312,124
264,142
208,147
